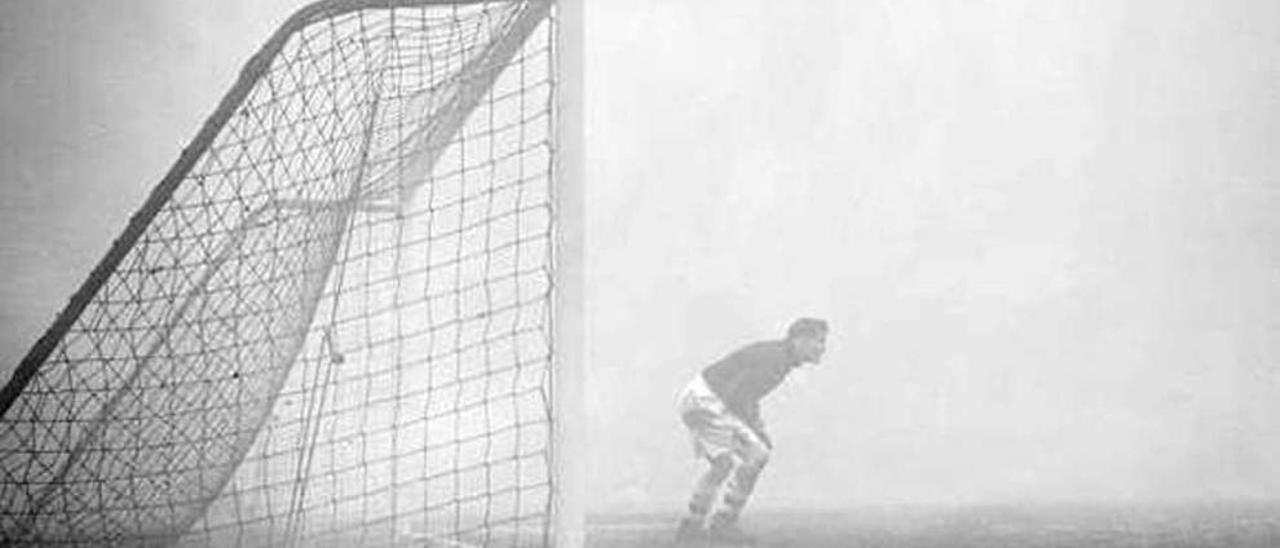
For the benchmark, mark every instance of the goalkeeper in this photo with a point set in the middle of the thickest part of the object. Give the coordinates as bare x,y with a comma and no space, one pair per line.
721,408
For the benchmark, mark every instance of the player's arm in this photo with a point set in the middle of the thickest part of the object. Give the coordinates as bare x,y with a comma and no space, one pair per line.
751,415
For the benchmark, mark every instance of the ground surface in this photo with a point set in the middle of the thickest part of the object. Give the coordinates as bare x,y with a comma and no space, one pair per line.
1190,526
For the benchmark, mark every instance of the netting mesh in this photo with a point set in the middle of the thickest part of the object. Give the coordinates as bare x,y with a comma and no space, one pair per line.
336,328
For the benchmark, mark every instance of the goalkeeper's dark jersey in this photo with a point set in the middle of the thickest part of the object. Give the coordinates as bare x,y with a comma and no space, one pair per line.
745,376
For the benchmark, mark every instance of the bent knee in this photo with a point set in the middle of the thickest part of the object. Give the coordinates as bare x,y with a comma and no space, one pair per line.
756,457
724,461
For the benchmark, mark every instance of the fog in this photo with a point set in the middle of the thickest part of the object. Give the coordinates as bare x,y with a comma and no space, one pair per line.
97,100
1043,235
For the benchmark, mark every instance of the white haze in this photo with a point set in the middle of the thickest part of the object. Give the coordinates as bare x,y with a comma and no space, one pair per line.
1044,235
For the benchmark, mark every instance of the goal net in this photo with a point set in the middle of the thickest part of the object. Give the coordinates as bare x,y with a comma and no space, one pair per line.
331,323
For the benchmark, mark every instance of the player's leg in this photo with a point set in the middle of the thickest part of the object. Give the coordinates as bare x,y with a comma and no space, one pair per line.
705,491
713,438
752,456
708,486
713,441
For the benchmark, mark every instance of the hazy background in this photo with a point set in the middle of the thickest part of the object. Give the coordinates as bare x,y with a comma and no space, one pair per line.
1044,235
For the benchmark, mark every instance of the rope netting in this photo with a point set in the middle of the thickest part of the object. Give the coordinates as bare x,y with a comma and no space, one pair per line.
331,324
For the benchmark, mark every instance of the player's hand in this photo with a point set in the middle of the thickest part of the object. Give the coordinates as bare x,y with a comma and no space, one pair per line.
764,438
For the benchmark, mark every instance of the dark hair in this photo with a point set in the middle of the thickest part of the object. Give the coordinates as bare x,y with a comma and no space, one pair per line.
807,327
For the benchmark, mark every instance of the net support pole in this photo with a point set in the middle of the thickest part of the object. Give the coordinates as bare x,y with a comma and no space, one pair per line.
568,426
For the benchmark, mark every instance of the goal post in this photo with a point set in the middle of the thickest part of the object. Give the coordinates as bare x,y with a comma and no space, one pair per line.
569,428
344,315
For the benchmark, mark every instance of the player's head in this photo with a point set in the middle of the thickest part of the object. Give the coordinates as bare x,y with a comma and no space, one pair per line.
808,336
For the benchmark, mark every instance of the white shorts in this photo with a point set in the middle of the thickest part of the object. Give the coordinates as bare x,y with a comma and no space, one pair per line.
713,429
